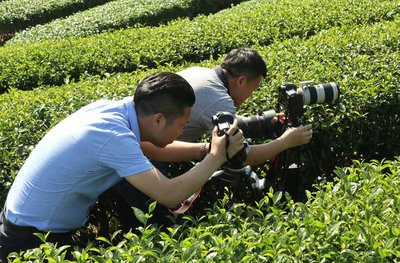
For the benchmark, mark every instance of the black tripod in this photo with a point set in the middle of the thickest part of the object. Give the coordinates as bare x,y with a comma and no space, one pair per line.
295,170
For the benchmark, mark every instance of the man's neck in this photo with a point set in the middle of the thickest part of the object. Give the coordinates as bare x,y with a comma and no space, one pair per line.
222,76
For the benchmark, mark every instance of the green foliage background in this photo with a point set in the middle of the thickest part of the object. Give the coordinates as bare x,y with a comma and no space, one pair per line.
350,218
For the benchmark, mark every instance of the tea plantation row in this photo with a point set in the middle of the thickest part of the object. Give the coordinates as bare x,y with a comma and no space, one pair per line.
252,22
20,14
116,15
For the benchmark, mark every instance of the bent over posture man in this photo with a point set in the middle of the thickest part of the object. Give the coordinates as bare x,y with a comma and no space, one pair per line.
225,88
92,150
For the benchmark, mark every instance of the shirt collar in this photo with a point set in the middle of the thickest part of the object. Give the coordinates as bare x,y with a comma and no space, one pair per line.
132,117
222,76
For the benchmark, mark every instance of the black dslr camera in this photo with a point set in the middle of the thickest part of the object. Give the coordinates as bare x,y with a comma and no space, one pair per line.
293,98
223,120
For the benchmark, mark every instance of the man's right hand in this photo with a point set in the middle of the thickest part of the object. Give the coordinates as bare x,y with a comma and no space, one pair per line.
296,136
236,140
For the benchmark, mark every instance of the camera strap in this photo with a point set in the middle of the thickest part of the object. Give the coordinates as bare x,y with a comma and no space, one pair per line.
186,204
227,142
222,76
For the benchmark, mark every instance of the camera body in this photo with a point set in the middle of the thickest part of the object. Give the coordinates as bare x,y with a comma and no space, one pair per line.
223,120
293,98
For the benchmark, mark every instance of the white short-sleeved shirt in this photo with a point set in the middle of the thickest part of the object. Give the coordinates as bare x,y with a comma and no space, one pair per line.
211,96
80,158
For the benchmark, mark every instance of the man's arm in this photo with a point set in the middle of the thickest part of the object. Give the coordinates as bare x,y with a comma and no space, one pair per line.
292,137
177,151
171,192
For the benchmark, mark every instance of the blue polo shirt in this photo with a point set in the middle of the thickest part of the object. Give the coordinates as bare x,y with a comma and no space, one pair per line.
80,158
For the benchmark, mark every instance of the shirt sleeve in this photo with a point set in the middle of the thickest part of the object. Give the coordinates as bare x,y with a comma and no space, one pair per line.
123,154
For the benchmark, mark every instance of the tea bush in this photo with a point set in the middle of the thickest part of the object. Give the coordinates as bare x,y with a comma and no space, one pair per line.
252,22
116,15
365,124
354,219
20,14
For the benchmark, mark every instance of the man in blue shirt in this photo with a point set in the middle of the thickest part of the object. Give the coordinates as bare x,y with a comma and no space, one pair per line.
96,147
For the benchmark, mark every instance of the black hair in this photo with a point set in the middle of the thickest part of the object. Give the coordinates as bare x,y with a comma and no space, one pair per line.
164,92
244,61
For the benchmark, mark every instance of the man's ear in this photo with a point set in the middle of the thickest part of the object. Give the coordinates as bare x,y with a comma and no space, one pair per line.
158,119
241,81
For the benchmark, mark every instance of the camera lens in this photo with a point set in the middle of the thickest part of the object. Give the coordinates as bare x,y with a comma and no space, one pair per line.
321,93
258,126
